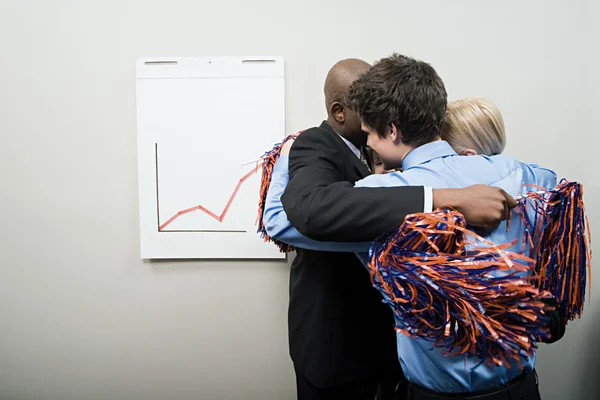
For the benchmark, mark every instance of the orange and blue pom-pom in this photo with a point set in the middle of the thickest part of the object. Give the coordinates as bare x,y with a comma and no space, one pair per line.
478,301
268,161
485,300
559,232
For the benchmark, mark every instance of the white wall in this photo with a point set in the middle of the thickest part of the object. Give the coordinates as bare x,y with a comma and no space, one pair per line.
82,317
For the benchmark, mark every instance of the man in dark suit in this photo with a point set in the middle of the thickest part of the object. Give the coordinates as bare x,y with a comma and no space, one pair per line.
343,347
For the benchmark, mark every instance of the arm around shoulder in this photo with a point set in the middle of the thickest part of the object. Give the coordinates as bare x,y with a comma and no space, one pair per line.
322,205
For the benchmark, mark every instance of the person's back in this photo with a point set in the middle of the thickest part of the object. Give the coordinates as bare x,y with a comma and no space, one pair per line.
323,350
436,164
403,103
330,360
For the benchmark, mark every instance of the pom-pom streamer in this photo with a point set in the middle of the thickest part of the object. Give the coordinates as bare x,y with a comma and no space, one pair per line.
477,301
444,286
268,161
560,237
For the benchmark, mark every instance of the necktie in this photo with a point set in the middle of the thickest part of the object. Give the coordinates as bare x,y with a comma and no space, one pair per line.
363,159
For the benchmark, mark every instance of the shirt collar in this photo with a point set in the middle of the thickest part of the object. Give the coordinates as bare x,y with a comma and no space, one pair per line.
427,152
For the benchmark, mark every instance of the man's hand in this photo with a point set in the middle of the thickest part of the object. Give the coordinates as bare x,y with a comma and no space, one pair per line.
285,149
287,146
482,205
387,171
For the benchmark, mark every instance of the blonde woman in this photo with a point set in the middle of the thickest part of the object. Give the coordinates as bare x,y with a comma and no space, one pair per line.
474,126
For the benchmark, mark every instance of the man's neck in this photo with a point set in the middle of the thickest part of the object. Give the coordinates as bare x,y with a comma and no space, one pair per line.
355,149
338,129
407,148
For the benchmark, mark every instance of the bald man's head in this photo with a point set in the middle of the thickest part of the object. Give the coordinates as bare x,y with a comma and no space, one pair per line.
340,77
338,81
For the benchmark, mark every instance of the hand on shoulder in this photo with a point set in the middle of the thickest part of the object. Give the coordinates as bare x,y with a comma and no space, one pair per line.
285,150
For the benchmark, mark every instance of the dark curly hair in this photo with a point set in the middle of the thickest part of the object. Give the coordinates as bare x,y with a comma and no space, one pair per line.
402,91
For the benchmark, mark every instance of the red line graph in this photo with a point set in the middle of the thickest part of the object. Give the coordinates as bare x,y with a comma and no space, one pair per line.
220,217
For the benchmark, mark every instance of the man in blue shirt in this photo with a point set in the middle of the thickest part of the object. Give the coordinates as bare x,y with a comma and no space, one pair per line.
402,104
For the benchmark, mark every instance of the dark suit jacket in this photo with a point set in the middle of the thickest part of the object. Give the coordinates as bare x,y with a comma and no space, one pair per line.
339,329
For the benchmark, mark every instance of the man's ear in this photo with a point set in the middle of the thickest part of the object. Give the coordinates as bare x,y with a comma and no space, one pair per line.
337,111
467,152
395,133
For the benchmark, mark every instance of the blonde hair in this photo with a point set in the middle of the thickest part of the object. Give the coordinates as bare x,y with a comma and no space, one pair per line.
474,123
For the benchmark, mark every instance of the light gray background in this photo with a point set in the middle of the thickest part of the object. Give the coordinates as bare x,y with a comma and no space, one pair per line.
82,317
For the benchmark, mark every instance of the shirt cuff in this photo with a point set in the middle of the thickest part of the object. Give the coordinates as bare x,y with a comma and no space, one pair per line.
427,199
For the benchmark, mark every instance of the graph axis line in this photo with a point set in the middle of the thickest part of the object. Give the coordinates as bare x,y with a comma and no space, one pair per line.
157,197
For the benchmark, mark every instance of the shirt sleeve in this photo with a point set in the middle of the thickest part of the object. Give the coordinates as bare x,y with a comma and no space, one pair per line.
428,200
279,227
391,179
542,176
